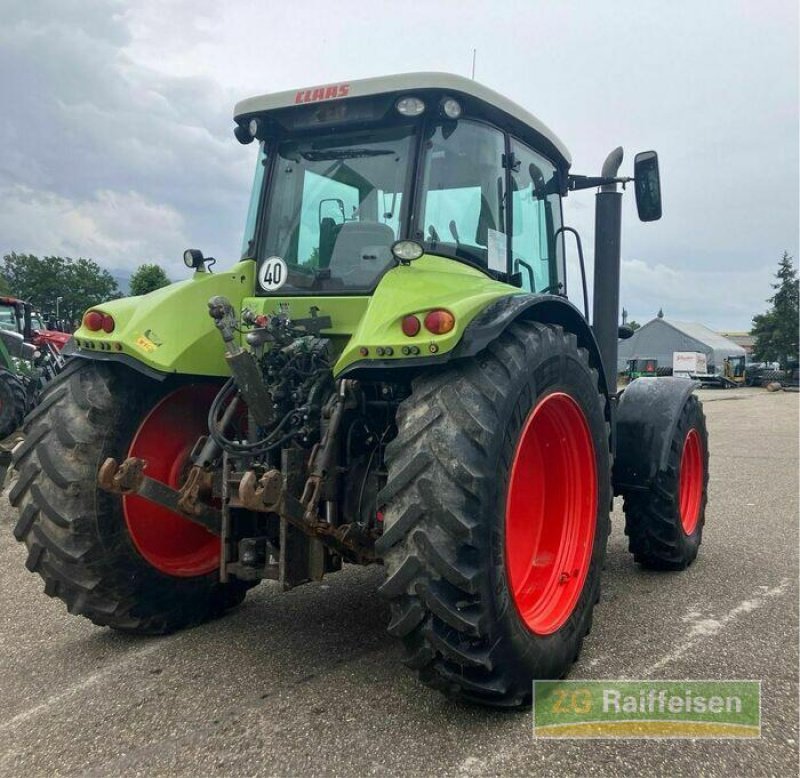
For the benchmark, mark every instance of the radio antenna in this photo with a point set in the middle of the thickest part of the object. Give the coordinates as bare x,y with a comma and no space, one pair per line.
474,55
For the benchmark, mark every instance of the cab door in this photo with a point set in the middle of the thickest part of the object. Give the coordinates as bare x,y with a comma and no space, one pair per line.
535,219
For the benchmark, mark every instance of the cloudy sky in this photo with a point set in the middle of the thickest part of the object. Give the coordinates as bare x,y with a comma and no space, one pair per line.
116,142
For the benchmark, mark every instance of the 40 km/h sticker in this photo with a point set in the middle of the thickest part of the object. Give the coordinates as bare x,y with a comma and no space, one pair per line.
272,274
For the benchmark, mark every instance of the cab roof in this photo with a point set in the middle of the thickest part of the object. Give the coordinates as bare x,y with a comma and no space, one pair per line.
486,99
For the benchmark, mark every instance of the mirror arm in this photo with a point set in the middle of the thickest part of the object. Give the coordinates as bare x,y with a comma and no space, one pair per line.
576,183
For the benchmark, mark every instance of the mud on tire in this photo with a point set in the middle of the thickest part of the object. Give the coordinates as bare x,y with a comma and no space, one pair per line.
444,507
76,534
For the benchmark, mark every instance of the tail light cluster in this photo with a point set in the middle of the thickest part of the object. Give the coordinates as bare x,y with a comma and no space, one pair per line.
437,322
94,321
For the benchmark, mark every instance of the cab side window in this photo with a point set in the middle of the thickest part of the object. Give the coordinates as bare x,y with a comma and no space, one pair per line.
536,216
463,194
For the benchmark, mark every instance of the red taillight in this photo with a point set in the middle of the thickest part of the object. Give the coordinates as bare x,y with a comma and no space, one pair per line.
439,322
108,323
410,326
93,321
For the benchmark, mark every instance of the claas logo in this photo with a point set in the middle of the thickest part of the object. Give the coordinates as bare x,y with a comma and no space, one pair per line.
322,93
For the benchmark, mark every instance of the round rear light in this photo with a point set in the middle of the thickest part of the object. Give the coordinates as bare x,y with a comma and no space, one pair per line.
410,326
108,323
439,322
93,321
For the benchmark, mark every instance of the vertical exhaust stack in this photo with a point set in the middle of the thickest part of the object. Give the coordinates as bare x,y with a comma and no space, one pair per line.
607,237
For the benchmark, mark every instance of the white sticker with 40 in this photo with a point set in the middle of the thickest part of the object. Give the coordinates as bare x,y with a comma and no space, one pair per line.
272,274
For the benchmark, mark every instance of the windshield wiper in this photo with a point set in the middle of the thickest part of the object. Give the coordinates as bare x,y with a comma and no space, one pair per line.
320,156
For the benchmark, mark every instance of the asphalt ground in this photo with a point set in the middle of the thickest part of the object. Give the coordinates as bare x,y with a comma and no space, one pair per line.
309,683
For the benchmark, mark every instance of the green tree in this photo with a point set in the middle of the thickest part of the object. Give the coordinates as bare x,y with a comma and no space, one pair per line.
148,278
634,325
776,331
80,283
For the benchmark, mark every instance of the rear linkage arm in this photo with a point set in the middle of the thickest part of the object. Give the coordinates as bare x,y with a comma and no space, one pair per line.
129,478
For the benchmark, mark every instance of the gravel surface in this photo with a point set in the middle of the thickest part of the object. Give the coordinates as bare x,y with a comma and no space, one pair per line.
309,683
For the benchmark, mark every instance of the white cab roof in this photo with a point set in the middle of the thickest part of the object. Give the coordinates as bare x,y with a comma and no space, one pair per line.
400,83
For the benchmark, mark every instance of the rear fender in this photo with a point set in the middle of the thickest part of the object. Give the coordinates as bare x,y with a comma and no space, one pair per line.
547,309
169,330
647,415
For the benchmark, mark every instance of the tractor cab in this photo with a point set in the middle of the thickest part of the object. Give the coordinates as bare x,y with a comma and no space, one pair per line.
432,158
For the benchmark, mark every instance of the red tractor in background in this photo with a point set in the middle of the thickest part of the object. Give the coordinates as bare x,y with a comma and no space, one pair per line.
18,316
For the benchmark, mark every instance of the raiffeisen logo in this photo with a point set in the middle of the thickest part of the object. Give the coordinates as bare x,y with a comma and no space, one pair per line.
322,93
647,709
662,701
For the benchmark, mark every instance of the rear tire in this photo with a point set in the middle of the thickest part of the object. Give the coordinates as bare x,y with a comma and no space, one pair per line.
77,535
665,523
13,403
461,473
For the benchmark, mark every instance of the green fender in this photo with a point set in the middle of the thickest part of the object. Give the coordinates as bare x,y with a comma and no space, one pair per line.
169,330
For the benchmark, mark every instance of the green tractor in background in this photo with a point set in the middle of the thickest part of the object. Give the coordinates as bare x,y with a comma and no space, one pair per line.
13,391
30,356
393,374
642,368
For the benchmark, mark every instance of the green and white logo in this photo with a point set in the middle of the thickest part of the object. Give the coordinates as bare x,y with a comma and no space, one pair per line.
647,709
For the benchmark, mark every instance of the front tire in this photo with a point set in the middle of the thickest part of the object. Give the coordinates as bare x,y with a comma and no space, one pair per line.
496,516
120,562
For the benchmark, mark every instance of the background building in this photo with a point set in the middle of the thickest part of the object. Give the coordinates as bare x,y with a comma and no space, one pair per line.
660,338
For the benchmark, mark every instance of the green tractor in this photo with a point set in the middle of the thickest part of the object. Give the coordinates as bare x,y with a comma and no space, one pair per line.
14,400
392,374
642,368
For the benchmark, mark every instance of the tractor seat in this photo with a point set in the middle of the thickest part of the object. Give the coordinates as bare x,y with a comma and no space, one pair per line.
362,250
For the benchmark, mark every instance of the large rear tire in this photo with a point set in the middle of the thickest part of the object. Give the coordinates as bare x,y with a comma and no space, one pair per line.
120,562
665,523
496,516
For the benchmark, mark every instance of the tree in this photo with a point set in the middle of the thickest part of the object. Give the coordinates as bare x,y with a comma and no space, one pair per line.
634,325
148,278
776,331
80,283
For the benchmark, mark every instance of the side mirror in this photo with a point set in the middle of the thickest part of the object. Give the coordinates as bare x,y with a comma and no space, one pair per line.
647,183
624,332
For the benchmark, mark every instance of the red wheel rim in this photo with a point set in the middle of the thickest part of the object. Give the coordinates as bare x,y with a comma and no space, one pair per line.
551,511
691,481
165,438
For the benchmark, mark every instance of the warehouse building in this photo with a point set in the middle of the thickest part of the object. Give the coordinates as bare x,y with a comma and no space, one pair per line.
660,338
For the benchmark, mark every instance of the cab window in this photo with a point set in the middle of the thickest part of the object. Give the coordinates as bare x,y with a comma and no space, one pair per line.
463,194
335,207
536,218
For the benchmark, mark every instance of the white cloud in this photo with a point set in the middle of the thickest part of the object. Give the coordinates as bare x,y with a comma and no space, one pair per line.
118,229
721,299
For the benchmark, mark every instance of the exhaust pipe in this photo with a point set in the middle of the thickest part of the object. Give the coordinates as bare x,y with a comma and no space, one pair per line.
607,237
